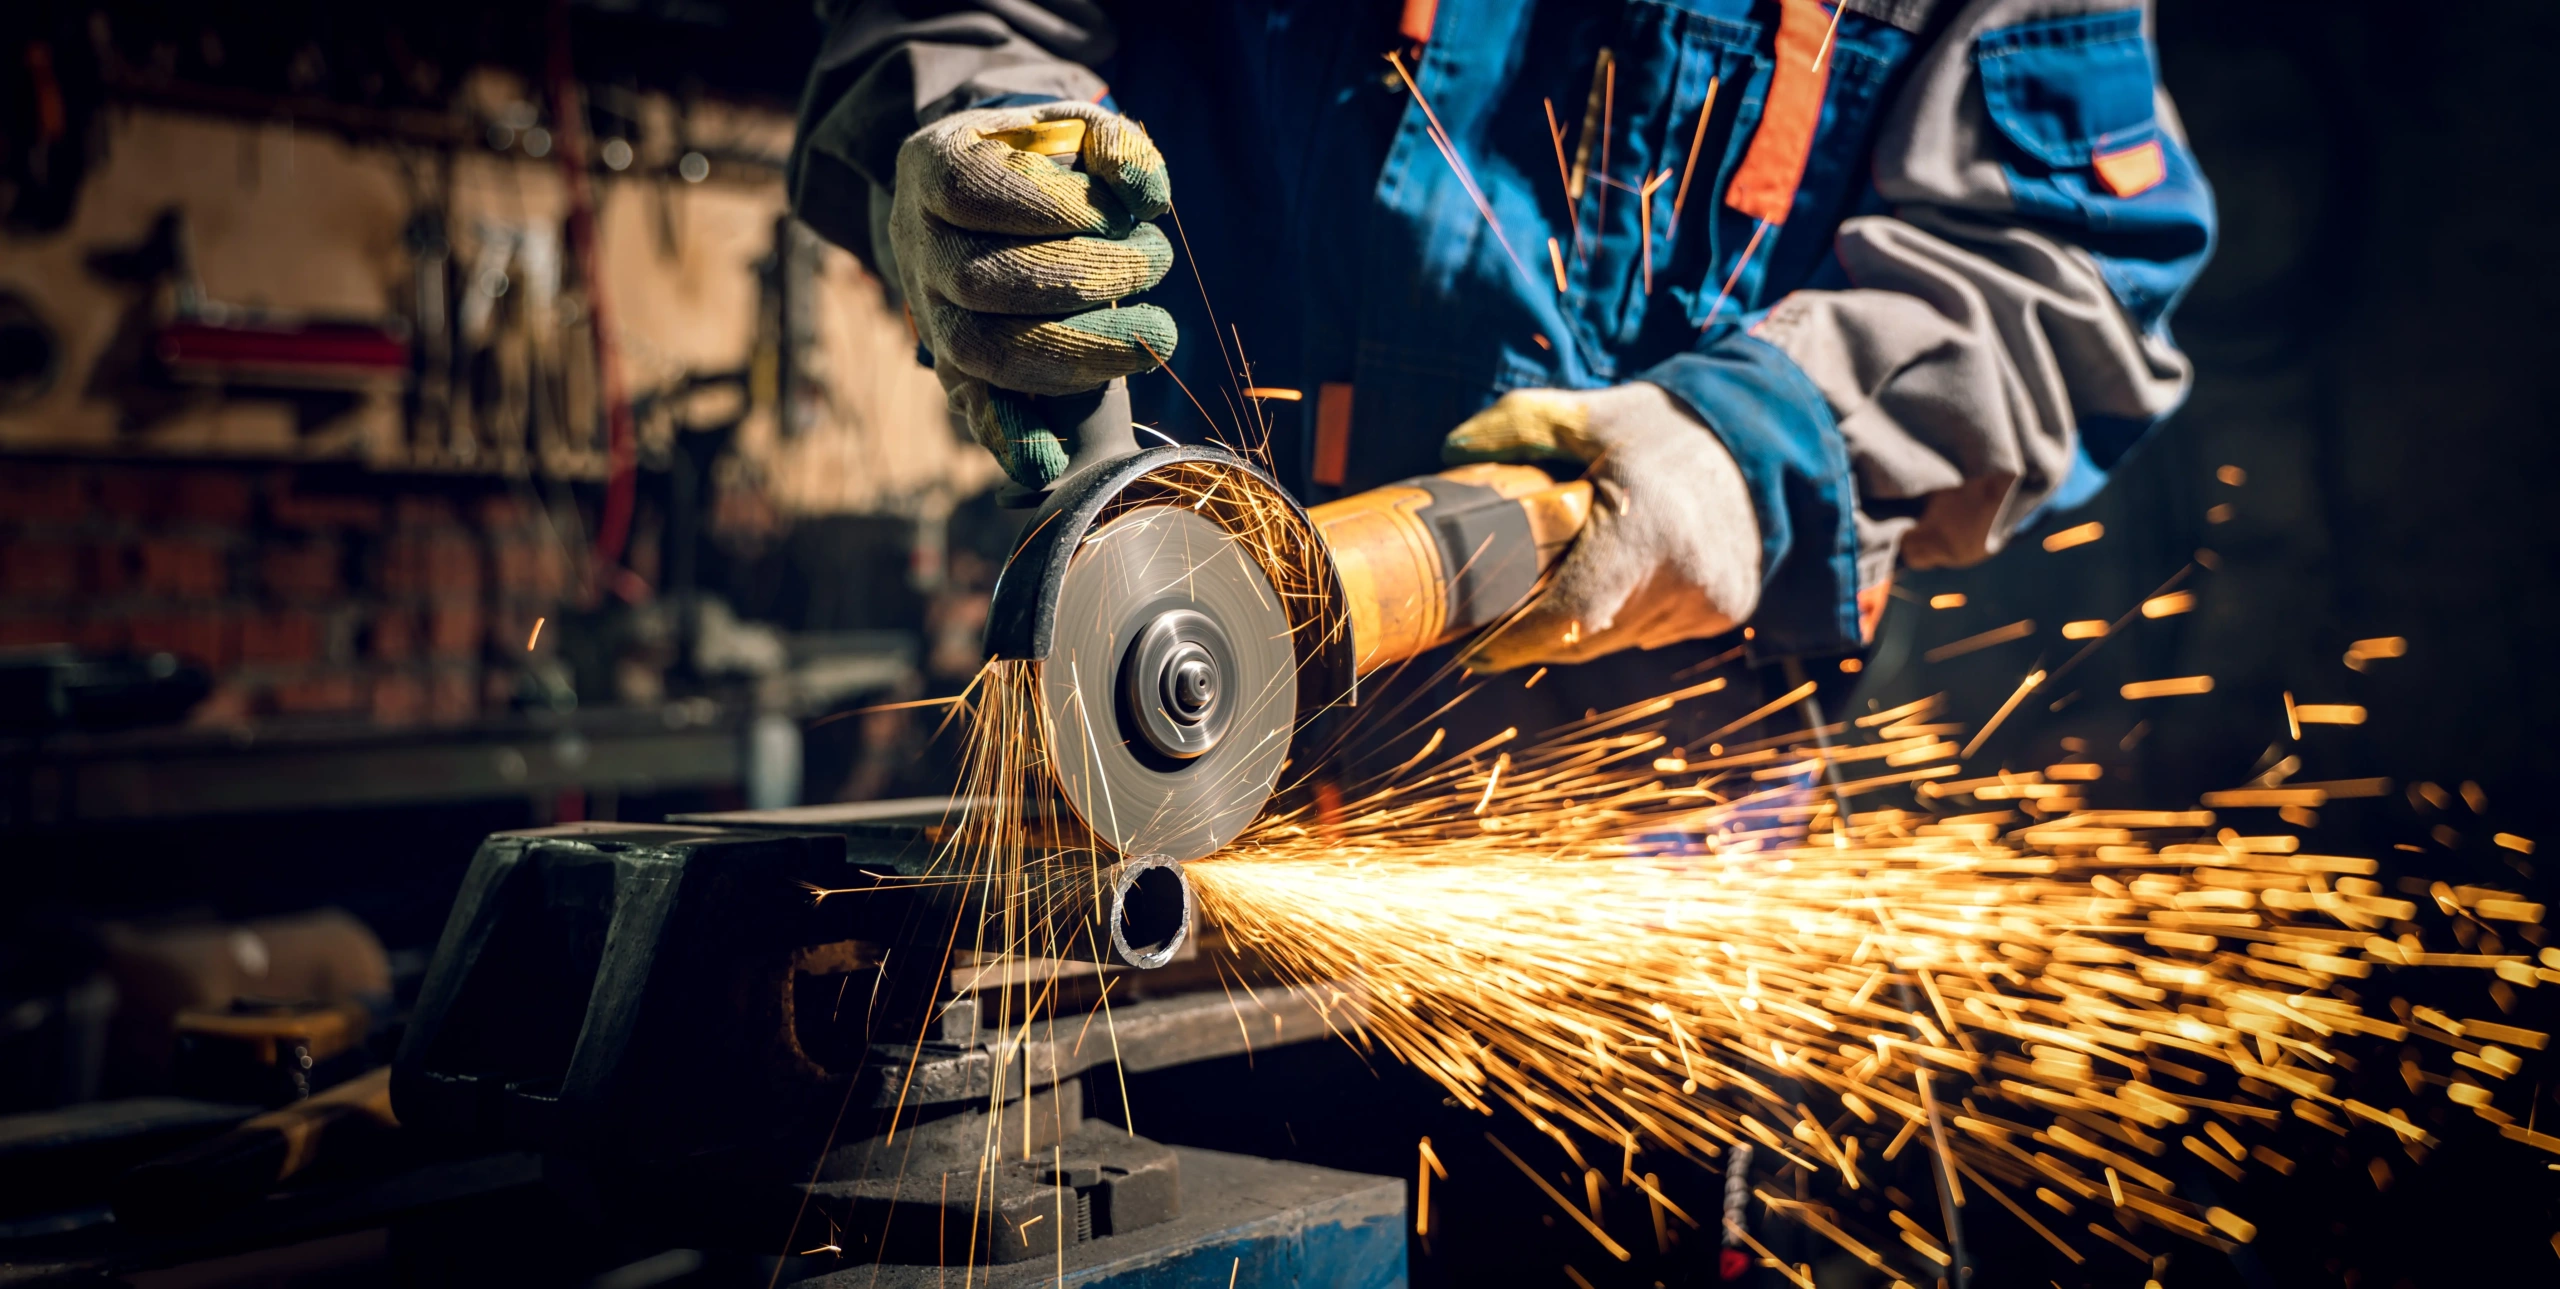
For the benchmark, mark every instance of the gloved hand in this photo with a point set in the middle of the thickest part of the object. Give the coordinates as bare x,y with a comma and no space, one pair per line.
1672,549
1011,262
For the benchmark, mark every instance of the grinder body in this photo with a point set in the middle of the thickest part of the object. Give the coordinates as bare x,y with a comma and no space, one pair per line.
1188,620
1189,623
1427,560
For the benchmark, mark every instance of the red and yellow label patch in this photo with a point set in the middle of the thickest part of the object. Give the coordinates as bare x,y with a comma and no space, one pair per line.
2132,171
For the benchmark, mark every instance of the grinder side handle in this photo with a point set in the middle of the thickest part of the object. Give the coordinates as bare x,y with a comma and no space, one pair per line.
1094,423
1427,560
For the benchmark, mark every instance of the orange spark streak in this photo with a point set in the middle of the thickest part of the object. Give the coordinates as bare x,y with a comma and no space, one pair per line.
1616,1250
1758,714
1449,152
1167,369
1608,108
1736,275
1644,220
2099,638
1564,176
2025,687
1422,1204
1492,781
1680,198
1232,362
2018,630
2172,687
1828,32
2075,535
890,707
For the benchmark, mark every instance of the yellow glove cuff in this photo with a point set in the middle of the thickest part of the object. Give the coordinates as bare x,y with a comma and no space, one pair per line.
1524,425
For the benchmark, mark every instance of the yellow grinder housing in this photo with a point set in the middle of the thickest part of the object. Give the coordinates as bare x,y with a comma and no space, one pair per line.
1430,559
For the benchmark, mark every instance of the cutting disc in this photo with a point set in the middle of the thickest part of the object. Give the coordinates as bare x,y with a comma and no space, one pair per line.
1171,689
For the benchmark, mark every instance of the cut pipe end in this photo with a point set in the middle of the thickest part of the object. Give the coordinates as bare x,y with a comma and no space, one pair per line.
1150,910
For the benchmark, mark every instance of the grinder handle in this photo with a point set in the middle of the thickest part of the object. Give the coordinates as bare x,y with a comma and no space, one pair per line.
1095,423
1427,560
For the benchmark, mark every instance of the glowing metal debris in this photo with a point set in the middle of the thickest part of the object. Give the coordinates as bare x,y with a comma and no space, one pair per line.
2172,687
1651,958
1679,196
2076,535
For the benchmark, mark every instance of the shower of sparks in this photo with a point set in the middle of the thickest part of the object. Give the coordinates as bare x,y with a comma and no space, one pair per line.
1637,948
1016,828
1694,959
1022,879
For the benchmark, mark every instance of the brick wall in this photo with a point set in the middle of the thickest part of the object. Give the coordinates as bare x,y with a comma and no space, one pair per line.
307,593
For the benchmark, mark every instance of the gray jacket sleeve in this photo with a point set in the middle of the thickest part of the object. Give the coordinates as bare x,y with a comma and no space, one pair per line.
1982,333
889,66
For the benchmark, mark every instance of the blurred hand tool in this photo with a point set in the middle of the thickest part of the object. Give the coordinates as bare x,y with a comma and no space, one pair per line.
213,1177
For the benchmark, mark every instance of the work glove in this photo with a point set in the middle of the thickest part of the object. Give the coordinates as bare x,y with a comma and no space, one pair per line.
1672,549
1012,263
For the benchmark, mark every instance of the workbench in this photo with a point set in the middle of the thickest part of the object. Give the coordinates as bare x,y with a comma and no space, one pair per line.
639,1032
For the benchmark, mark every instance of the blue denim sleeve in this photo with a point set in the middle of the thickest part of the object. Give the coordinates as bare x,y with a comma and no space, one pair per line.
1781,433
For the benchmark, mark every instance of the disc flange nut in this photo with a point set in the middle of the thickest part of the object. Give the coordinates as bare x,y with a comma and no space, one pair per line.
1174,681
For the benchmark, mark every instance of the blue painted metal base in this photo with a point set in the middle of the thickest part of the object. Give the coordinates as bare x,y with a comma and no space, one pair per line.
1244,1221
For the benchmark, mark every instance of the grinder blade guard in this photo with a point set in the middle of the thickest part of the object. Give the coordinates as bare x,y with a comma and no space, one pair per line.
1187,625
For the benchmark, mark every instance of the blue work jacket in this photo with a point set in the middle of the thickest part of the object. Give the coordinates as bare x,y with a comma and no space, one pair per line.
1420,253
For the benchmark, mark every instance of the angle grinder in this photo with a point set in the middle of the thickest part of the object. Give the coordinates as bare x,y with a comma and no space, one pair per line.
1189,620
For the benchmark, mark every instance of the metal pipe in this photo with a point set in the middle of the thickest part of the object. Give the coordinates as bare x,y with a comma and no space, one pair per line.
1135,911
1151,910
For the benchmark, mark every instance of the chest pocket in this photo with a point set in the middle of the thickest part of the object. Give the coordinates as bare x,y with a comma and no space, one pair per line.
2074,98
2074,101
1665,58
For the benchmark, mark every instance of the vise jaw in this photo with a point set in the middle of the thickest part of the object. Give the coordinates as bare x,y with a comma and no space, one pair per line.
694,1038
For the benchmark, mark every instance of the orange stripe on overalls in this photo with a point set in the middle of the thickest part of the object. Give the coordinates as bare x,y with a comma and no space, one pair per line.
1415,25
1765,187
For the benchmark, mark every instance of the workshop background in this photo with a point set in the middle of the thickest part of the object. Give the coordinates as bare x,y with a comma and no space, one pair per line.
384,463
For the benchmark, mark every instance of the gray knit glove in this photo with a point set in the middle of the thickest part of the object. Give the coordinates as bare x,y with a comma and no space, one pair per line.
1012,263
1672,548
